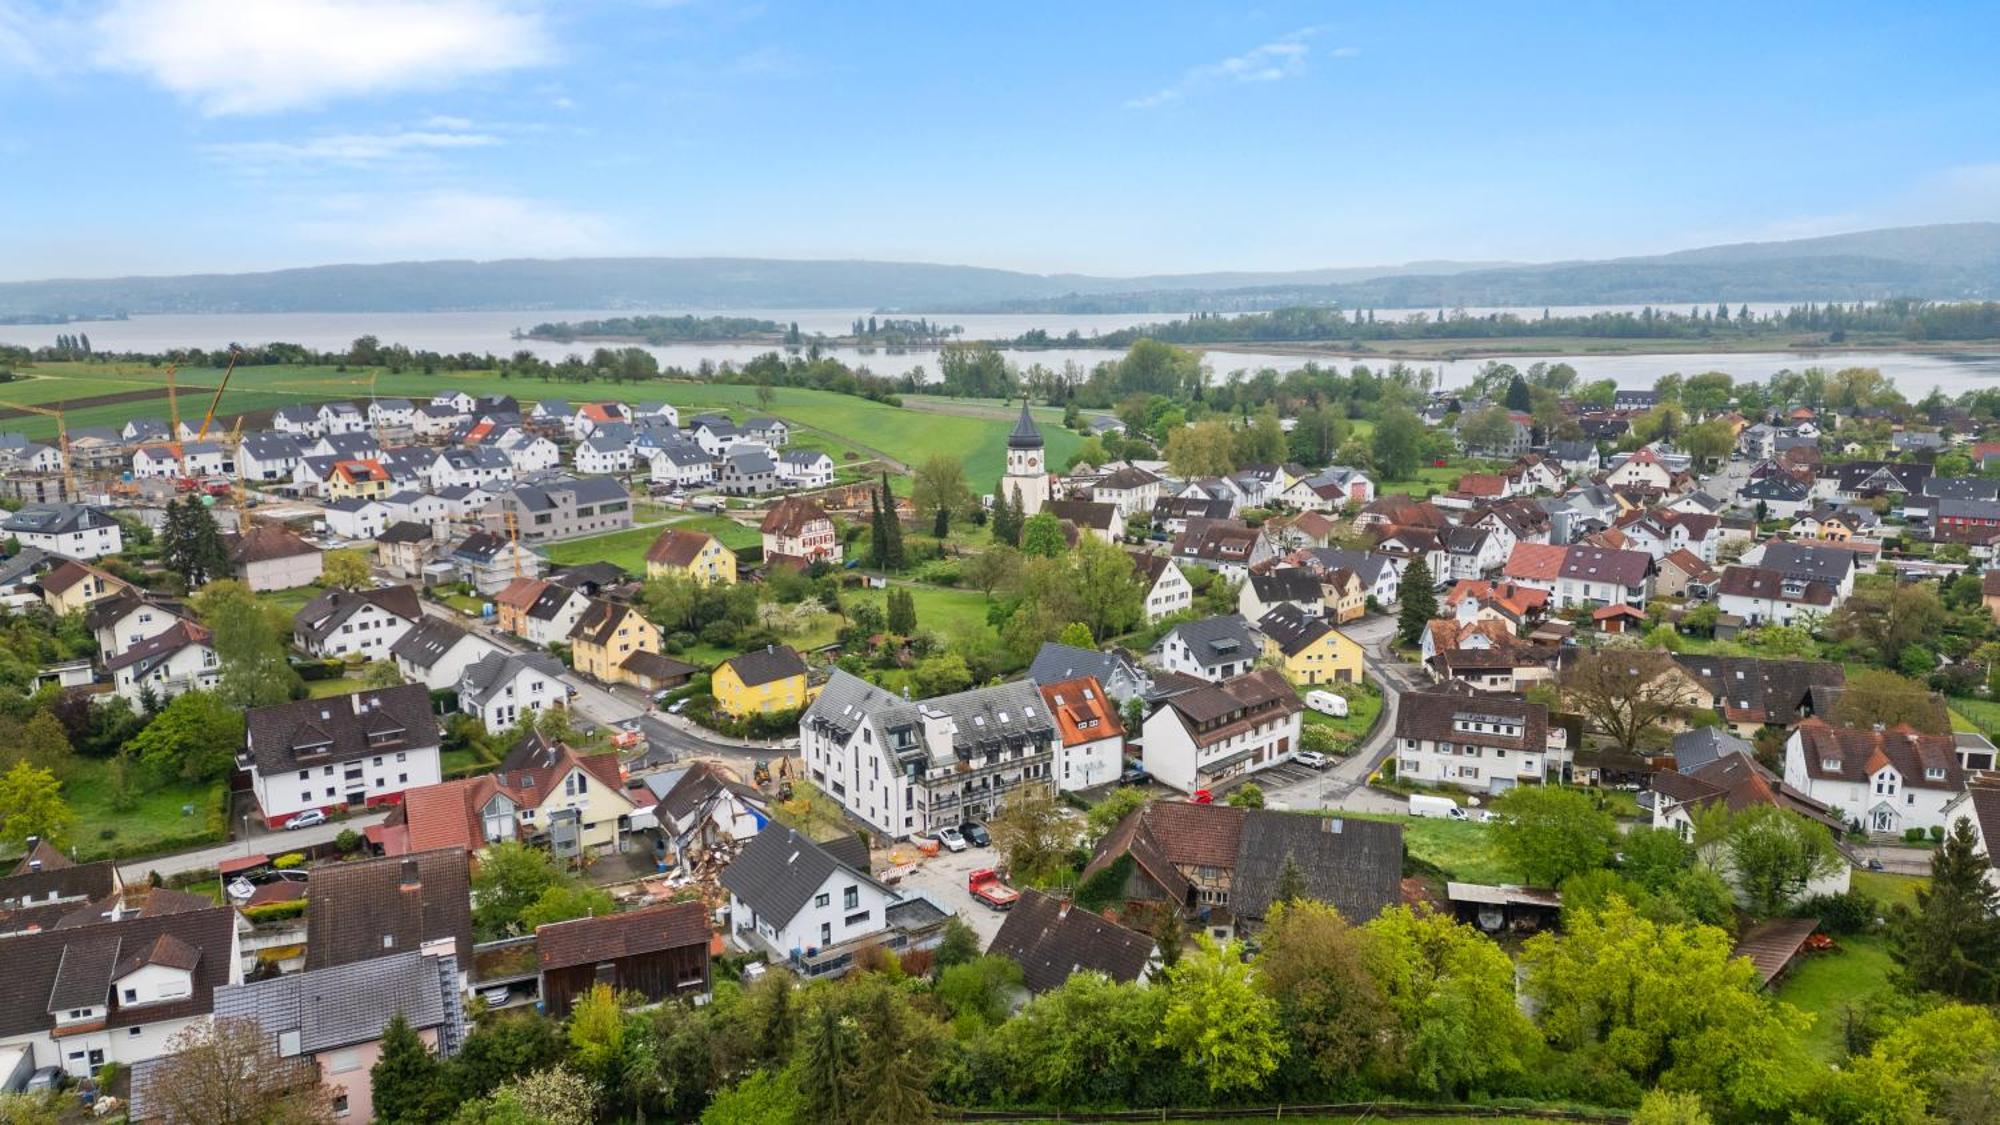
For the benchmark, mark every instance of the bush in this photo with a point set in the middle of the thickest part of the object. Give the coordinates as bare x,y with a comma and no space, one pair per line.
349,841
275,911
290,860
1937,833
1850,912
1915,836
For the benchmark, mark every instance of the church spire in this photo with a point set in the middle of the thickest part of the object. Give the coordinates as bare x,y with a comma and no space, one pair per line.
1026,434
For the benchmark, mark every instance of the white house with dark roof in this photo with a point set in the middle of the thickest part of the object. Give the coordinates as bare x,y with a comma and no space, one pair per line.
267,456
436,652
179,659
1212,648
792,898
500,687
74,531
1484,743
348,750
805,468
1887,781
1201,738
684,464
601,455
365,623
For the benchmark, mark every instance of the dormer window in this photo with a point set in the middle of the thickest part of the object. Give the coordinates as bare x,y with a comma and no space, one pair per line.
1830,765
1934,773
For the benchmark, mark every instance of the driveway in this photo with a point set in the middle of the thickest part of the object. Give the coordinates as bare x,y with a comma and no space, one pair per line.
269,843
1344,785
941,878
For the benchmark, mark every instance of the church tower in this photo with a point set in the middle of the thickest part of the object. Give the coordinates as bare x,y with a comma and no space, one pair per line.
1027,470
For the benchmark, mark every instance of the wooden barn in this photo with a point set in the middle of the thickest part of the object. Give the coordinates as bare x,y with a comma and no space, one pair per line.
659,952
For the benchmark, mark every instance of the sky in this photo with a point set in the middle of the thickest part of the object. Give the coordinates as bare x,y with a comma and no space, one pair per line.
185,136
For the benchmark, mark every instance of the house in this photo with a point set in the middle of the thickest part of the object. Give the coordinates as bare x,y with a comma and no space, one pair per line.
391,414
435,420
565,508
797,532
1228,547
1212,648
405,550
656,953
1343,596
602,454
1168,590
762,681
605,639
693,554
267,456
116,987
539,611
1471,552
1308,648
500,688
1832,566
359,479
74,531
1576,458
1226,866
1634,400
1886,781
907,768
1761,596
436,652
1329,490
181,658
543,793
1052,939
364,909
682,465
1599,576
698,809
664,411
1131,490
528,453
1683,574
342,418
71,587
1090,747
1736,782
1484,743
805,468
127,616
357,519
1291,585
356,623
1122,679
1751,693
1099,519
713,432
1781,495
1381,576
490,561
271,556
791,899
749,472
46,886
343,751
1201,738
333,1019
1643,468
1172,513
773,432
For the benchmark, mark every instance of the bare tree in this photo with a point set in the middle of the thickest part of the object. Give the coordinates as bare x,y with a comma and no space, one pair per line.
228,1072
1624,692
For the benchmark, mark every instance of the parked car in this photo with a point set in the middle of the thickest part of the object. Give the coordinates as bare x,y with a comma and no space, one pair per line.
976,833
496,995
1310,759
1135,774
951,838
306,819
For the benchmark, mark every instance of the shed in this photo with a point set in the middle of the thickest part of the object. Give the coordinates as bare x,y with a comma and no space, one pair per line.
1773,945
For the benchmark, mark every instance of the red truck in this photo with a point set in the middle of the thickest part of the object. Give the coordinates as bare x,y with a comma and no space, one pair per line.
986,886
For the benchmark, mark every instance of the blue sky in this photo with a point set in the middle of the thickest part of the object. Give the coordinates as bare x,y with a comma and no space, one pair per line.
171,136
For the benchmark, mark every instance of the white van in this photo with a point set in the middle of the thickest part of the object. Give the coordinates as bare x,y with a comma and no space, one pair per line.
1327,703
1437,808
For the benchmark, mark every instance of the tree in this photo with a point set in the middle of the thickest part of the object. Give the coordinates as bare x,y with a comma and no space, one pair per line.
195,738
1420,601
1884,622
1666,1005
191,543
1034,833
1314,965
992,568
1088,1041
939,486
1626,693
902,612
1218,1022
1664,1107
1076,635
41,741
1710,441
1105,815
407,1078
765,1097
958,945
941,675
892,530
1490,430
566,901
1205,449
511,877
829,1050
1775,855
1397,443
1950,941
31,804
345,570
254,671
1549,833
1042,536
1873,696
1007,518
229,1072
1246,796
1518,397
891,1083
555,1096
381,674
597,1035
1449,990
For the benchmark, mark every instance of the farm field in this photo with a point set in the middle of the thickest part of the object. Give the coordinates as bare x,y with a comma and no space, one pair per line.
842,425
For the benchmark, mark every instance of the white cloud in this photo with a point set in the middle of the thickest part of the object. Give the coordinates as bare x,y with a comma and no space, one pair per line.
350,149
441,121
1275,61
19,49
454,224
264,56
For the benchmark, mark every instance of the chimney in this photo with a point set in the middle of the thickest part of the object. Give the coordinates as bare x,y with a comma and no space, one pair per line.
413,879
32,841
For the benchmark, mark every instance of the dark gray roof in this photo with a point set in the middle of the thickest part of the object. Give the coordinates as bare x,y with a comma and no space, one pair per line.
322,617
428,643
779,870
587,490
1026,435
1286,584
496,670
1055,663
1356,866
1051,940
57,519
271,446
750,462
340,728
1812,564
1222,639
344,1005
1963,488
1696,748
764,665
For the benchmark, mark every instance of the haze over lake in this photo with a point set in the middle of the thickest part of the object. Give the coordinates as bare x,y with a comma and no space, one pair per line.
1915,373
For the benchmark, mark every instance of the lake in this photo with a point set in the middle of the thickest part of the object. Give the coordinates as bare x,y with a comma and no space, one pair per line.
479,332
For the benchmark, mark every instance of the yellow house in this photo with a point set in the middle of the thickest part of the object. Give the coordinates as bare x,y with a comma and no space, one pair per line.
521,800
358,480
608,636
1343,596
696,554
761,682
1309,650
72,586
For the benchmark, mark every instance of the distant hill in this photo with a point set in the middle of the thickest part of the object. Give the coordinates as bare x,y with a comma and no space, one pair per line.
1942,262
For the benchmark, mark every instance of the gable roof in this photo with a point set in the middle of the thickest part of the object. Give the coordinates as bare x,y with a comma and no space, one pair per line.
1354,865
779,870
323,616
339,728
158,648
1083,712
1755,690
1854,755
345,1005
1292,629
1222,639
267,541
791,516
634,933
1535,562
363,909
76,967
766,665
1051,940
678,548
495,671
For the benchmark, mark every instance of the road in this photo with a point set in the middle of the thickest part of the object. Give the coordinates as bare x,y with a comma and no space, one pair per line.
269,843
1344,785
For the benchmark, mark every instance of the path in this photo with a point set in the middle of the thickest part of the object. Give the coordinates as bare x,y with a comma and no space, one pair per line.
271,843
1344,785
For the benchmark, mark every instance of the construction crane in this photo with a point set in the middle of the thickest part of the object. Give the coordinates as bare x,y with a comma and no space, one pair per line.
173,405
208,419
62,442
514,538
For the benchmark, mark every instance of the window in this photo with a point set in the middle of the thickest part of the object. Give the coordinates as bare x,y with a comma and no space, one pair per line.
856,919
822,899
850,898
131,996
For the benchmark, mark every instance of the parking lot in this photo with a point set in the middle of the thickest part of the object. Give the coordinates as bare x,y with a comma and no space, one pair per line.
941,878
1283,774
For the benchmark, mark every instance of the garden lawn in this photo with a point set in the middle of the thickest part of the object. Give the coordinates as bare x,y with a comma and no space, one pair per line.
1887,889
1463,850
625,549
733,535
1429,479
1361,712
939,608
326,689
1983,714
154,823
1826,984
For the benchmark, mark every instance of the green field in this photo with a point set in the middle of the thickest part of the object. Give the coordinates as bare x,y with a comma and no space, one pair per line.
1429,479
1825,984
154,822
1361,712
1889,890
628,548
1982,715
848,428
1461,849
